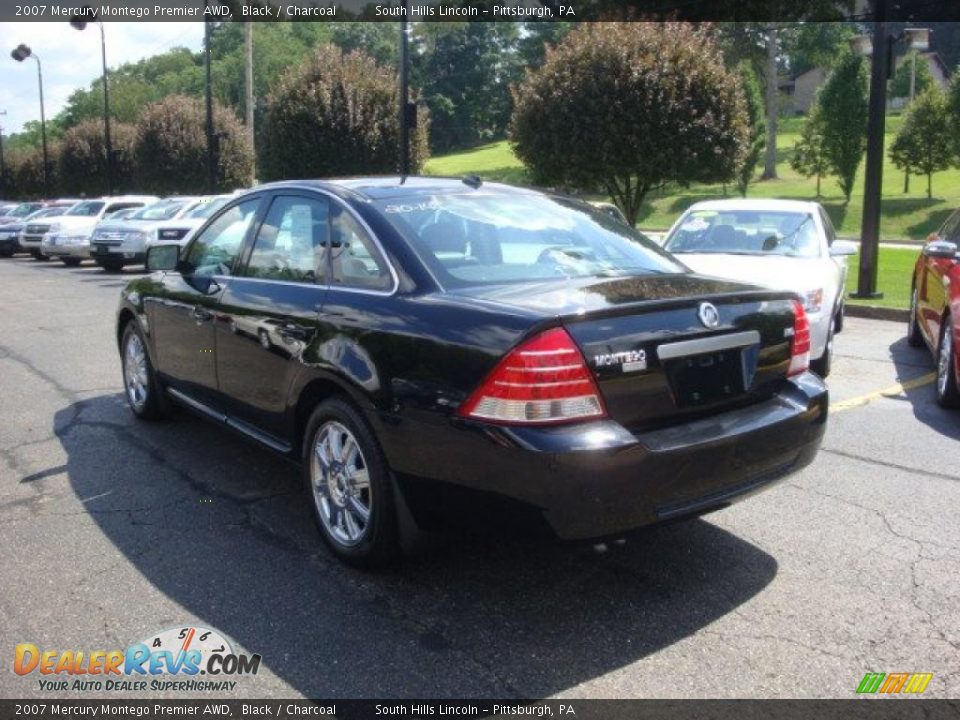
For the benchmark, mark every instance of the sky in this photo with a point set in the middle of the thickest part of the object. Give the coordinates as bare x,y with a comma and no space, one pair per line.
71,60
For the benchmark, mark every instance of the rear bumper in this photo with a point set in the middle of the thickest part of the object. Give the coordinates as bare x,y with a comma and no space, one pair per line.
598,479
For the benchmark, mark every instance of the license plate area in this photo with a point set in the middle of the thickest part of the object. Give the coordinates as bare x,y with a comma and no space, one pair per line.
702,379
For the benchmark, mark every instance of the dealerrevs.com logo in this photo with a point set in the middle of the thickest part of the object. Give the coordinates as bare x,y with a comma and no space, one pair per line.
185,659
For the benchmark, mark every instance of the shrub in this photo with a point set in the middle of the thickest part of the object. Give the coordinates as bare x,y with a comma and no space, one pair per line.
82,162
629,107
336,114
171,147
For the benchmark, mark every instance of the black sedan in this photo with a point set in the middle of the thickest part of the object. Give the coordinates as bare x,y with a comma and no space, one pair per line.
425,346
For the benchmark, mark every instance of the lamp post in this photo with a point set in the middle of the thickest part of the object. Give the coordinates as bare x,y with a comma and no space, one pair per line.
21,53
405,91
3,169
79,22
212,140
879,46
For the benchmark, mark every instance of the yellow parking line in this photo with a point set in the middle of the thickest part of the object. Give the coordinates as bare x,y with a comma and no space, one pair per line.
892,391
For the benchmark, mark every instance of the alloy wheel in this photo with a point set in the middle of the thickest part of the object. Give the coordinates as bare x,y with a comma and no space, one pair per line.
340,482
135,374
943,362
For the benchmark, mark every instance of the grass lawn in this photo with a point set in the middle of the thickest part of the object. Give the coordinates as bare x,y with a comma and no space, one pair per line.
894,274
908,216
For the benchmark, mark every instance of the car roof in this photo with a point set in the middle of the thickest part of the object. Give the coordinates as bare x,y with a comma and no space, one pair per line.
769,204
391,186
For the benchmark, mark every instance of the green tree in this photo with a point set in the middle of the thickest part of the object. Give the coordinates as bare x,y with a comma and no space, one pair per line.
923,144
464,71
843,103
953,110
900,84
342,111
26,170
630,107
817,44
82,161
808,157
757,123
171,147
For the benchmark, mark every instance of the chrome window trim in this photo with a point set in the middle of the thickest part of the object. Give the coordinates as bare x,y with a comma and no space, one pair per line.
332,197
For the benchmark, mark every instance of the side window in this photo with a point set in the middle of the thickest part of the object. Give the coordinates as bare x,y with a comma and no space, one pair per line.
292,242
951,229
214,251
355,261
828,227
117,207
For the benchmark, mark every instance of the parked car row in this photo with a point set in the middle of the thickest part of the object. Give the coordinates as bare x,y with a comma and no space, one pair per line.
113,231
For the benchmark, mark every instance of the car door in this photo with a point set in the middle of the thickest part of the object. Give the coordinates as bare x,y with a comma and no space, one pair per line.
182,312
269,312
934,291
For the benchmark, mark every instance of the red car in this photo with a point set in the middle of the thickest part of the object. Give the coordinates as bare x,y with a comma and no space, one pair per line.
935,307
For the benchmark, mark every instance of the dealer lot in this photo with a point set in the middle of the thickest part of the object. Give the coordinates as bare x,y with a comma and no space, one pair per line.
113,529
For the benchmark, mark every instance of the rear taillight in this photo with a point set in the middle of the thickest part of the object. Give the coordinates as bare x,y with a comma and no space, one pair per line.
800,352
543,380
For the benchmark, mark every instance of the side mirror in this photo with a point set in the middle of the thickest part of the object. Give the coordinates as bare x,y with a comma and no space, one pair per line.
940,249
842,248
164,257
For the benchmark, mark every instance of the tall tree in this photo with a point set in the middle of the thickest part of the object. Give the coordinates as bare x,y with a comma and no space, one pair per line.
953,110
758,128
771,82
464,71
679,115
843,101
923,144
808,157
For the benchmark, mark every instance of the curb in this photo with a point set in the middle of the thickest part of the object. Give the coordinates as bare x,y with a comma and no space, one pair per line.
876,313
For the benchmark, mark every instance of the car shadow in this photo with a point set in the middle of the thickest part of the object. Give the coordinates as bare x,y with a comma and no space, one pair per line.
911,362
221,529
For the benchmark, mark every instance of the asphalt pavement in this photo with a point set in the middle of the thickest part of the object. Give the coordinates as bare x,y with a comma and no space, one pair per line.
113,529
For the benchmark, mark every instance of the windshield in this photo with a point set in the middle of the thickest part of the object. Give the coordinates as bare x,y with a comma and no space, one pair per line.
45,212
24,209
89,208
492,238
207,208
745,232
159,211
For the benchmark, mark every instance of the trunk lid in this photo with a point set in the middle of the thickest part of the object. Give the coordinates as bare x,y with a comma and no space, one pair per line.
650,345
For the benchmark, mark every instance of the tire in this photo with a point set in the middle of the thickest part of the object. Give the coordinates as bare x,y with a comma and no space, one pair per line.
142,389
948,395
6,253
71,262
824,364
111,266
38,256
914,336
342,489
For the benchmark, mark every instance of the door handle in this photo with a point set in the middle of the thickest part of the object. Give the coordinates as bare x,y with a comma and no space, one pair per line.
201,315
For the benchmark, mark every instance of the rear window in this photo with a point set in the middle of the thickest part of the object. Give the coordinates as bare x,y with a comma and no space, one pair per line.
478,238
89,208
746,232
207,208
159,211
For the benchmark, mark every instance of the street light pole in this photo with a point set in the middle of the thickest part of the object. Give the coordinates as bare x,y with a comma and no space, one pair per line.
405,91
77,21
873,176
211,140
21,53
3,169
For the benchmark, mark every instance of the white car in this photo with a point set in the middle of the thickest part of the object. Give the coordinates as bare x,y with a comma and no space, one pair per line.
67,236
783,244
119,242
181,230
